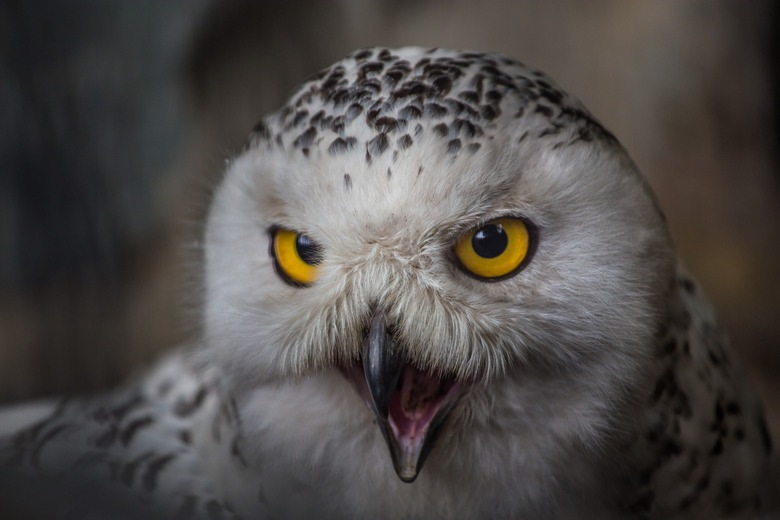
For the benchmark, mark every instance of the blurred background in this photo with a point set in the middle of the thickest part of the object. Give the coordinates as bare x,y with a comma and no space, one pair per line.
116,118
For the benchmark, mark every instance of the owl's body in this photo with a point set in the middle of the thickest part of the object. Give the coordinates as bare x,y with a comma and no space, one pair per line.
584,377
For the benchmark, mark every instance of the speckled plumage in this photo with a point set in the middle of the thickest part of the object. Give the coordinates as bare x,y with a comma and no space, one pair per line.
594,382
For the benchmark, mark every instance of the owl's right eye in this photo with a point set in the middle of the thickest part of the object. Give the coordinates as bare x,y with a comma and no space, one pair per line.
296,256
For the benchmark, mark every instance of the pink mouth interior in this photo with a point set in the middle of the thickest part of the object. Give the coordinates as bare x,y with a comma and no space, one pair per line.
419,395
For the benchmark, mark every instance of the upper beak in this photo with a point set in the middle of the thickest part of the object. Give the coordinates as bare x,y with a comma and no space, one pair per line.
382,364
410,405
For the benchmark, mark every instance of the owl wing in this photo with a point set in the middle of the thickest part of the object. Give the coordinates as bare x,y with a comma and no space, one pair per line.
703,442
134,453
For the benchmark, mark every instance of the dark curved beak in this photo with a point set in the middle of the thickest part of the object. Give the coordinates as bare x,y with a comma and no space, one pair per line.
384,366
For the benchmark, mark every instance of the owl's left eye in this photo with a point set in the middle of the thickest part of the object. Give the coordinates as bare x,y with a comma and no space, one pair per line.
296,255
497,249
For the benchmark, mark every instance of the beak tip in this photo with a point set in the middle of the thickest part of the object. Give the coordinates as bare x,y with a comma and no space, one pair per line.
407,478
407,462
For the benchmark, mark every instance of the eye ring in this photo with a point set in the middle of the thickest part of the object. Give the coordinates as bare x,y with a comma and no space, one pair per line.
296,256
498,249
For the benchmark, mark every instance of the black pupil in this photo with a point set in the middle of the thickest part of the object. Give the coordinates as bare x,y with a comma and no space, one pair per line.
307,250
490,241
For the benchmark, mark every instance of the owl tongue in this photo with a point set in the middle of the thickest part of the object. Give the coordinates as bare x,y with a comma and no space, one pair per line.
417,398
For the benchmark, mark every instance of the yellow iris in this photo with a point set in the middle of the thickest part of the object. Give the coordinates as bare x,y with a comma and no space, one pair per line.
297,257
495,249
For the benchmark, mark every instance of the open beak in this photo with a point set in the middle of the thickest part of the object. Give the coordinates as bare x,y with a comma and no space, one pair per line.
410,404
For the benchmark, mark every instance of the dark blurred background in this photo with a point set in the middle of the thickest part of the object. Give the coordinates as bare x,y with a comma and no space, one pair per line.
117,116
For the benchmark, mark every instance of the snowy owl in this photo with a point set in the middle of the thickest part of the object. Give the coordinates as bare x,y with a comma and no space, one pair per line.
434,286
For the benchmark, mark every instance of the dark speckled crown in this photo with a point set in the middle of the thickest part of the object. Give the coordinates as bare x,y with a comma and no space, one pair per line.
401,94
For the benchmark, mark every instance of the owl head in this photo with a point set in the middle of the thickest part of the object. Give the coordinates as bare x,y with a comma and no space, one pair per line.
434,225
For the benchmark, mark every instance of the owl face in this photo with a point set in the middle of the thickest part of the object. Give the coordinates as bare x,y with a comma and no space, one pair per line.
427,222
